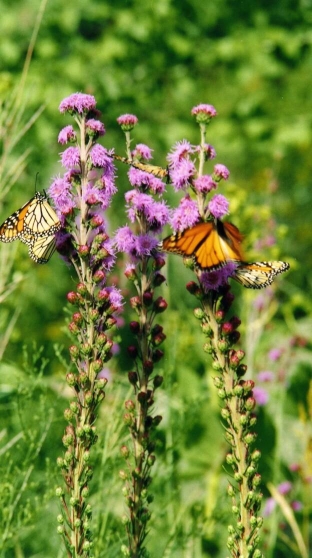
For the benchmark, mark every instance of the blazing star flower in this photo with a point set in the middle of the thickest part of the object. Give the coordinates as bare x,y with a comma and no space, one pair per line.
284,487
125,240
265,376
221,171
157,214
180,151
60,193
186,215
93,195
99,156
127,122
275,354
78,102
269,507
70,157
218,206
210,152
142,151
204,113
296,505
181,174
95,128
66,135
145,244
261,396
115,298
217,278
204,184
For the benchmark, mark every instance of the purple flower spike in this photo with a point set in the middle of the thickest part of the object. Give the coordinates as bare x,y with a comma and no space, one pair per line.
218,206
78,102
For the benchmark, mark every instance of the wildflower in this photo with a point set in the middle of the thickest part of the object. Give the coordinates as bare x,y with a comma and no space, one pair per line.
217,278
266,376
181,174
181,150
66,135
218,206
127,122
261,396
275,354
221,171
145,244
139,178
95,128
204,184
141,151
78,102
70,157
125,240
99,156
203,113
186,215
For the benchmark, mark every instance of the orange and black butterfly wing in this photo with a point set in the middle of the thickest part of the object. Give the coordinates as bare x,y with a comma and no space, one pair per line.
41,249
13,226
210,244
257,275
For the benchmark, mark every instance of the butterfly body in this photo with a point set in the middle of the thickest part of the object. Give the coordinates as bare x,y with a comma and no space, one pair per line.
213,244
34,224
159,172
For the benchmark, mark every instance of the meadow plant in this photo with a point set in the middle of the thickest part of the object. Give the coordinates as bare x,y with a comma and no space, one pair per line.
147,213
80,197
186,170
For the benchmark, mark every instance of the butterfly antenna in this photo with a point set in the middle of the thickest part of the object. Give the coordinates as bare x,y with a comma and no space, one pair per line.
36,180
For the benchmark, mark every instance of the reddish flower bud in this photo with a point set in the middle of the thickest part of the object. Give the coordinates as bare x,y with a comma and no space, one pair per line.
73,328
99,276
159,262
250,403
134,327
160,305
110,322
158,339
132,351
241,370
219,315
157,381
158,279
235,321
129,404
147,298
74,352
83,250
82,289
103,295
157,355
133,378
72,297
192,287
227,328
130,274
148,366
77,318
135,302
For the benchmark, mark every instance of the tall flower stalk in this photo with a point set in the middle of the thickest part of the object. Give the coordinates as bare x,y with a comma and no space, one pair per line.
81,196
186,170
147,216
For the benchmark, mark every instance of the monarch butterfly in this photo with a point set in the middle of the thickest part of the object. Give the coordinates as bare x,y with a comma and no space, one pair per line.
35,224
213,244
159,172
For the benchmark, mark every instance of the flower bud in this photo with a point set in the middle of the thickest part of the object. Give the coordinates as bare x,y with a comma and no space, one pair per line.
160,305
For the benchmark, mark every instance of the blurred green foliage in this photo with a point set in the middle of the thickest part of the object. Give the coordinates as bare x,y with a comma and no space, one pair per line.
252,61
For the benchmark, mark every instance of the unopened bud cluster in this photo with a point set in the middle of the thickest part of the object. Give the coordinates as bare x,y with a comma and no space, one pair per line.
237,414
